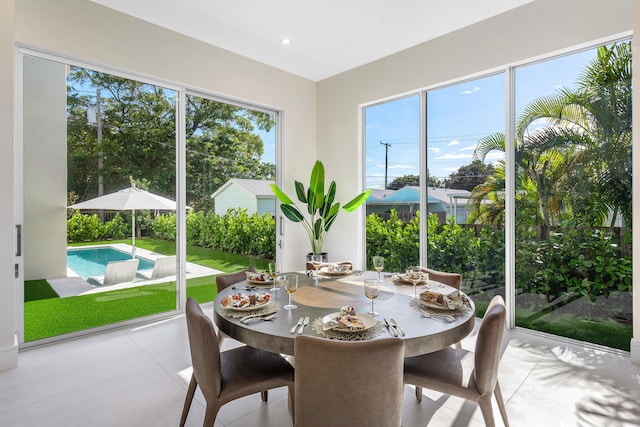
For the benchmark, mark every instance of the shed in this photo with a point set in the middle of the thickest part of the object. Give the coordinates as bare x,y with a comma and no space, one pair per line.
253,195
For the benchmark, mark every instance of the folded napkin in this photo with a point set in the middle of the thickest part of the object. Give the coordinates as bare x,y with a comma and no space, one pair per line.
349,322
443,296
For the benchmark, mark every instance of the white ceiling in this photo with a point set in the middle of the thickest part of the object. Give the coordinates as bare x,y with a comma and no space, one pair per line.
327,37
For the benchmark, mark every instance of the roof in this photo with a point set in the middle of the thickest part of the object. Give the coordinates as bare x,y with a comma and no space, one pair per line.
258,187
410,194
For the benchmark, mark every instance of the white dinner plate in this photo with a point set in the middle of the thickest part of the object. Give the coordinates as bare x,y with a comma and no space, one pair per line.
260,282
257,306
368,321
402,279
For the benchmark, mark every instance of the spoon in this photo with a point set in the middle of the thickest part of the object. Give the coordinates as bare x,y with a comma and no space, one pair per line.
395,325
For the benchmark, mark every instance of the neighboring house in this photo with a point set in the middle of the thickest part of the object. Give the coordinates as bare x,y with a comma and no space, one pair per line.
254,195
407,199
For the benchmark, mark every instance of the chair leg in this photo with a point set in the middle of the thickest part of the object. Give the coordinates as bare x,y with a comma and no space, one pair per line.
487,411
211,414
292,403
419,394
264,395
187,401
503,409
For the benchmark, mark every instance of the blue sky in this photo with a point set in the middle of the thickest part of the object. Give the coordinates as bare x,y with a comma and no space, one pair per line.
457,117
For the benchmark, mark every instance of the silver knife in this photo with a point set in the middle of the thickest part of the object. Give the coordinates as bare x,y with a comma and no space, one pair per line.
305,323
391,328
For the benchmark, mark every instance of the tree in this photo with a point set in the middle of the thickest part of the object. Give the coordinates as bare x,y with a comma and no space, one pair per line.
139,139
468,176
413,180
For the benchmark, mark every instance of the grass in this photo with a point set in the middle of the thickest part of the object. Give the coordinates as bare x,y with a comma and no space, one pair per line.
47,315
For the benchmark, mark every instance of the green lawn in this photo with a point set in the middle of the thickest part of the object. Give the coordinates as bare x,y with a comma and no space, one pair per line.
47,315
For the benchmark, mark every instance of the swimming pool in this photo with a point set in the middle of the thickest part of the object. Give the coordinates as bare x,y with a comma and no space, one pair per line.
88,262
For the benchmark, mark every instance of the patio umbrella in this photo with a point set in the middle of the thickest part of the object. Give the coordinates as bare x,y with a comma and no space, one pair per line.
129,199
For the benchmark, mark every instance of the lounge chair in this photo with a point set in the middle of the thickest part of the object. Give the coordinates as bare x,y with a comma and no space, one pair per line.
116,272
162,267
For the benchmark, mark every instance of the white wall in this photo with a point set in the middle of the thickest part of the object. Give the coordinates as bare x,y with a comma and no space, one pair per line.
45,169
8,340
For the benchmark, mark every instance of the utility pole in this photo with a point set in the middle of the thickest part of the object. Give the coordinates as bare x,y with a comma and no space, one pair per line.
100,153
386,161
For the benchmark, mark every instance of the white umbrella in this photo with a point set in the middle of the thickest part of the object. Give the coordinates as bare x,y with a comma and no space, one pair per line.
129,199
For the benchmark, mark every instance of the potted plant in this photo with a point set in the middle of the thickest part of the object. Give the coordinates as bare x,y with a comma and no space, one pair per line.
320,207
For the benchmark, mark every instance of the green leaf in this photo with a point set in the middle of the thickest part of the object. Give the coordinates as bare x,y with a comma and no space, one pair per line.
300,192
292,213
316,183
355,203
317,228
280,195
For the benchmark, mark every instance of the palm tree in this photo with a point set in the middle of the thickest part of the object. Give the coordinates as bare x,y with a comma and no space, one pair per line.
580,162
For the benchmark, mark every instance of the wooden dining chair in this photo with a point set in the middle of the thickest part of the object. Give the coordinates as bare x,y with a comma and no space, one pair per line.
223,281
348,383
470,375
452,279
228,375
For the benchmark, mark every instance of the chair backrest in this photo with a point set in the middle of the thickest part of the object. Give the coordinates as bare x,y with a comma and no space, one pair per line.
351,383
120,271
205,351
489,345
163,267
451,279
225,280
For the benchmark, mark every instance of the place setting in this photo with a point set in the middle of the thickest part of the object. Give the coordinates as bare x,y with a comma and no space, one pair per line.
442,302
347,324
249,307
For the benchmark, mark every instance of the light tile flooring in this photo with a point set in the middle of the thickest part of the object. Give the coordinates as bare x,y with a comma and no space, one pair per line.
137,376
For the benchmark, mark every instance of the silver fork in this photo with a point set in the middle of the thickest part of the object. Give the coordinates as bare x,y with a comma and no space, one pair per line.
259,318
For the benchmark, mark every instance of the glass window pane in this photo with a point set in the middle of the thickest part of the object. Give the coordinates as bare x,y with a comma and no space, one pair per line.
88,136
392,172
465,195
573,199
230,166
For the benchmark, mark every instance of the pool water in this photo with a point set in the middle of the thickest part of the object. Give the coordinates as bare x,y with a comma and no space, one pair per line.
93,261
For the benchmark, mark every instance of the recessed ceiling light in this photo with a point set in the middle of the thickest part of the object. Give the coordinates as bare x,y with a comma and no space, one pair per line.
285,41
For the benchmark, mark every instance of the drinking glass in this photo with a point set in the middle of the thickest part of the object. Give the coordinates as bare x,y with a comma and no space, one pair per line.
378,264
415,275
371,291
316,261
274,270
290,286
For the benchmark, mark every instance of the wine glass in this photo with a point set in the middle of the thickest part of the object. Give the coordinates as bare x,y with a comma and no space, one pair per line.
414,274
316,261
274,270
290,286
378,264
371,291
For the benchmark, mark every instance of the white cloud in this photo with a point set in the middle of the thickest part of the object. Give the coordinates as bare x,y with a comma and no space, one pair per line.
494,155
469,92
453,142
454,156
434,149
469,148
399,167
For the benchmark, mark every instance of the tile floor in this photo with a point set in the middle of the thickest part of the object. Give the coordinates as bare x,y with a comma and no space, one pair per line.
137,376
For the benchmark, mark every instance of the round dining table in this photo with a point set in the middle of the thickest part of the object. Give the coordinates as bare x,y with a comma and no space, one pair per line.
422,334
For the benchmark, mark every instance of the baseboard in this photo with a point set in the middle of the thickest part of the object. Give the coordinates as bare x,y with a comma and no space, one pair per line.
635,351
9,355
